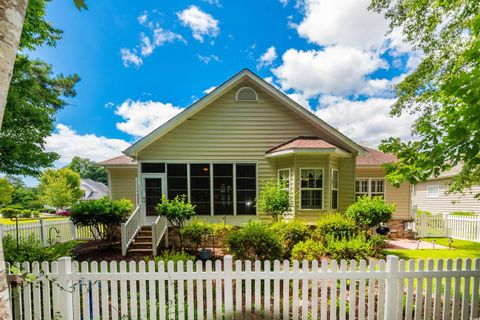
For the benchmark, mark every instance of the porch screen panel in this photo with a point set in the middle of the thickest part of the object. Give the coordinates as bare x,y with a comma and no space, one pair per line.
223,188
246,181
177,181
200,187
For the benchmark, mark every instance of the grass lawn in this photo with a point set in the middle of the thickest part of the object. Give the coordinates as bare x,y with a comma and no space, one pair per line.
24,220
460,249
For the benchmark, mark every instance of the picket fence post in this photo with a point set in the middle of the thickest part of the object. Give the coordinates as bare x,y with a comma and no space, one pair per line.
65,285
391,290
43,232
2,230
228,285
73,231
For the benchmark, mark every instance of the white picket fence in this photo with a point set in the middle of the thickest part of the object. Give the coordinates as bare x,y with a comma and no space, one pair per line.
391,289
447,225
47,230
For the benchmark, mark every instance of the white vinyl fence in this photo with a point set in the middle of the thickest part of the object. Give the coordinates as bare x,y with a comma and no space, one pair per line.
47,230
447,225
391,289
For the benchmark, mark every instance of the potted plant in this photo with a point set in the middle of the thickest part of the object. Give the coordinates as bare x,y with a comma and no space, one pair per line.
382,229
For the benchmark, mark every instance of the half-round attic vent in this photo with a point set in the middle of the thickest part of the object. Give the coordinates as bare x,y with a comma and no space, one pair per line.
246,94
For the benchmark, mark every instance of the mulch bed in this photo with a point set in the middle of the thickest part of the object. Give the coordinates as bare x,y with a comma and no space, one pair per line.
96,250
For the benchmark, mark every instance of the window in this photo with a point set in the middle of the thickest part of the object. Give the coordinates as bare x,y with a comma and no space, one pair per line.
433,192
334,200
200,187
311,188
177,179
246,183
369,187
284,177
153,167
377,188
223,188
246,94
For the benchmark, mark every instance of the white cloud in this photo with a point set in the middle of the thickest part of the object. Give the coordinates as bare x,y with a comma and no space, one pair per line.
267,58
364,121
300,99
68,143
142,117
208,59
201,23
334,70
162,36
207,91
146,45
342,22
143,18
130,58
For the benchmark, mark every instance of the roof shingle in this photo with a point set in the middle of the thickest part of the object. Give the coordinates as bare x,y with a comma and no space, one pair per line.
375,158
120,160
303,143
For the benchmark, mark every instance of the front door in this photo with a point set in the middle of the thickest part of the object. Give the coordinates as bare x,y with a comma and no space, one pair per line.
153,189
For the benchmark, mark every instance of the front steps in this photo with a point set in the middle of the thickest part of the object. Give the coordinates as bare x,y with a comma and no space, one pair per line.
143,242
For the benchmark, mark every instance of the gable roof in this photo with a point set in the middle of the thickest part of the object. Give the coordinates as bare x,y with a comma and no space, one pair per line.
223,88
118,161
375,158
304,144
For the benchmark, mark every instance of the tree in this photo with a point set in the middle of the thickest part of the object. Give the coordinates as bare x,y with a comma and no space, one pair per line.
88,169
26,197
6,191
60,188
274,199
443,90
369,212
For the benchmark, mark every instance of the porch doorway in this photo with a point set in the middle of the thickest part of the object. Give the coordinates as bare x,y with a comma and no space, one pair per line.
154,188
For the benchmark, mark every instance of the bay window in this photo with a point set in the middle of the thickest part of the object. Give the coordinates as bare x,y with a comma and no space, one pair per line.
334,196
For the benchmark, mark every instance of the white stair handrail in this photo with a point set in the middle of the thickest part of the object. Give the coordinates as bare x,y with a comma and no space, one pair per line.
130,228
159,230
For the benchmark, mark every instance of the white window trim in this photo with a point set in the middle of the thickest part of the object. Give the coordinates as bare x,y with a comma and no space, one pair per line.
333,189
210,162
323,188
369,186
438,191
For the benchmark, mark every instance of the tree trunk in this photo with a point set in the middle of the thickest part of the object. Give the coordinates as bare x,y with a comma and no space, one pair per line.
12,15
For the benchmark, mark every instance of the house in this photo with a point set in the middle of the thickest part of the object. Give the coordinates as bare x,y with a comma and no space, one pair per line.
93,190
432,195
220,151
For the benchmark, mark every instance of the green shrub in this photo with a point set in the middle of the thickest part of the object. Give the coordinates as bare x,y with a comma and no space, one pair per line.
291,233
336,226
358,247
196,233
102,216
172,255
177,211
31,249
274,200
369,212
26,213
422,212
255,240
220,232
378,242
10,212
463,213
36,213
308,250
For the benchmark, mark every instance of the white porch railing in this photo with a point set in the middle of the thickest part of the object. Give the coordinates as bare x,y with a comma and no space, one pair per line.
159,230
130,228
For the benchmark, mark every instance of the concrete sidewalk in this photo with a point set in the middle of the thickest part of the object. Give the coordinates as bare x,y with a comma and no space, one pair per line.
405,244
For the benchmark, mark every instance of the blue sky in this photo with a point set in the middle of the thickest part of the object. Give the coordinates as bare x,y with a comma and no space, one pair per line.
142,61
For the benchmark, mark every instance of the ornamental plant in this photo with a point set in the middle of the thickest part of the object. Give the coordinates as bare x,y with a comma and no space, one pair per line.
291,233
369,212
177,211
197,232
336,226
102,216
274,199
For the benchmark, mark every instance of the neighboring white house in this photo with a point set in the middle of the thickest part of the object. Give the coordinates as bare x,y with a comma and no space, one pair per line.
432,195
93,189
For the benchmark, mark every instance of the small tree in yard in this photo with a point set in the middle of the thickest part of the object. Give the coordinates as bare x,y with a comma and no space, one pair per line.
60,188
102,216
6,191
274,199
369,212
177,211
